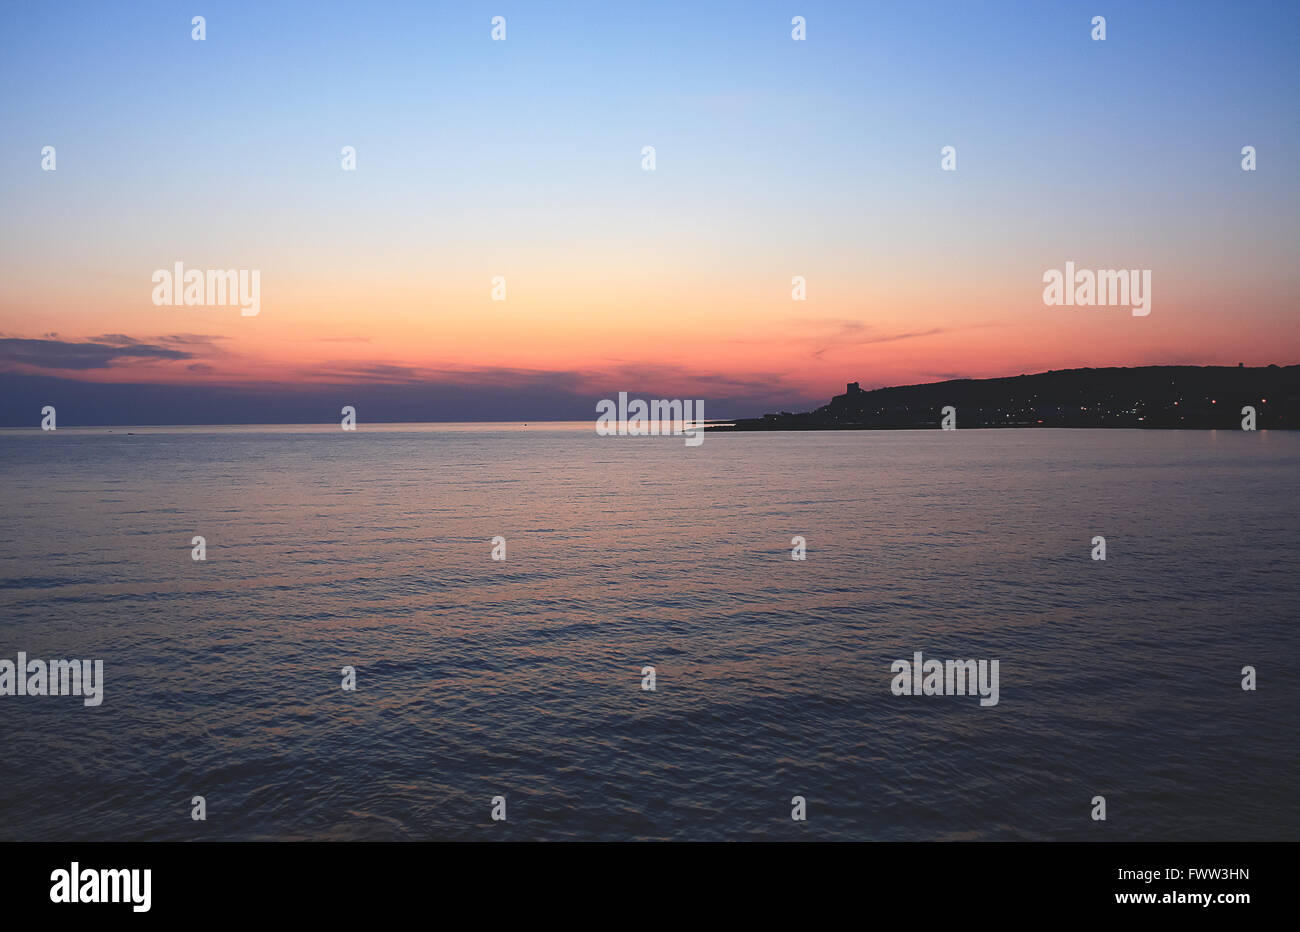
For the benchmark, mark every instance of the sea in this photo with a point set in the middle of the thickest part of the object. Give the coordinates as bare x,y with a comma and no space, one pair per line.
518,686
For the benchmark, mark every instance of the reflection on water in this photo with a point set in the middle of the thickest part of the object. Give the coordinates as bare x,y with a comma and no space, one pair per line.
477,678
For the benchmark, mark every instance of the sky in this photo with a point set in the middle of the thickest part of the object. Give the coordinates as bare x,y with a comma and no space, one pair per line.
523,159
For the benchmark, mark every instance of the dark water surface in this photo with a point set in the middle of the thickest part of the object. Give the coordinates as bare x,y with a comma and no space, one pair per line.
477,678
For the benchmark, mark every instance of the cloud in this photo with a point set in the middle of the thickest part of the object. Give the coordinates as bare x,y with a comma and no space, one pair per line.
191,339
615,376
115,339
856,333
199,389
386,371
842,333
97,353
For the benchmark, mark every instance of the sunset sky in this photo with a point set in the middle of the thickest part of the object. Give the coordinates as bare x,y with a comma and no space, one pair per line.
775,158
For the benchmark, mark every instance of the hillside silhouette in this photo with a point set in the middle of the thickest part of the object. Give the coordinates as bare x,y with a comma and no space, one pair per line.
1190,397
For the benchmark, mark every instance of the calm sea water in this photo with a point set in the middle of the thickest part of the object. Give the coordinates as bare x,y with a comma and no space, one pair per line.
522,678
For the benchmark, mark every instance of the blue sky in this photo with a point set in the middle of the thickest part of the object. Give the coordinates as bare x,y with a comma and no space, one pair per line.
521,156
